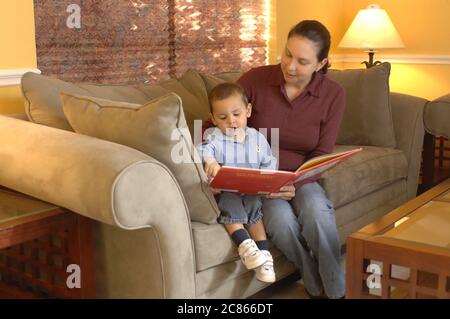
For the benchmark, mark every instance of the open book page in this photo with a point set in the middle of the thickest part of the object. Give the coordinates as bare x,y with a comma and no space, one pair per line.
320,164
315,171
325,158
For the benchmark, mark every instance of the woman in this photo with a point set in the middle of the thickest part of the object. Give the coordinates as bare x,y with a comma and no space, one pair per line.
298,99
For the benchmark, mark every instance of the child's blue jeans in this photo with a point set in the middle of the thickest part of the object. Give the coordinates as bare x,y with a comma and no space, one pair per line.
239,209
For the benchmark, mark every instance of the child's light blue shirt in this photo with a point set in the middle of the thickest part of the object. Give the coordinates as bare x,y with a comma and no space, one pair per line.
254,152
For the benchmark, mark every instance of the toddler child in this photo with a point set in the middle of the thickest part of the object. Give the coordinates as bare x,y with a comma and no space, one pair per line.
232,143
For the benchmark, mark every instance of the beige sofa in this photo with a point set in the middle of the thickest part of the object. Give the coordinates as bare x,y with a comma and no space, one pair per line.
147,242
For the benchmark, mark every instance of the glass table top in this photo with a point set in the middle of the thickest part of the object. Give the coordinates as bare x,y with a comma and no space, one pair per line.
445,197
429,224
14,205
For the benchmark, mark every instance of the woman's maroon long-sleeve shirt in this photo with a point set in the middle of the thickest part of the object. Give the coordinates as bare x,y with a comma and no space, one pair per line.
308,125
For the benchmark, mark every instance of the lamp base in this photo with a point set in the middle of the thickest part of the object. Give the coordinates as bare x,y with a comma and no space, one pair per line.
370,63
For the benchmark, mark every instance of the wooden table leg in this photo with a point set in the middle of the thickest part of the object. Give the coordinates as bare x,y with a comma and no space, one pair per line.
428,163
354,268
80,251
85,226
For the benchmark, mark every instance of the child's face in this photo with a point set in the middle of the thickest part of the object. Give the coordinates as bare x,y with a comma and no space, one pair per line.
230,114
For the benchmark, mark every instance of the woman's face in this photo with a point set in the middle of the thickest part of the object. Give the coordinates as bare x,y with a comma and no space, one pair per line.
299,60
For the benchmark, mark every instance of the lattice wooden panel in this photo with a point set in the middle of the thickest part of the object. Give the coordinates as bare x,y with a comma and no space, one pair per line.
441,161
37,268
442,152
399,282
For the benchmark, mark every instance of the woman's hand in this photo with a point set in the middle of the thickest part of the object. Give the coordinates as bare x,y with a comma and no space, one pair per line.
286,192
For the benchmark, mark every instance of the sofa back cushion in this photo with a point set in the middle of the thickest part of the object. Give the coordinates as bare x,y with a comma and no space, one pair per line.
43,105
190,88
157,128
437,115
367,119
212,80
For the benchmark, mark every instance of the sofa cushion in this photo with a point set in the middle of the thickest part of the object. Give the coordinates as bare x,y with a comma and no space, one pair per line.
43,105
367,119
366,172
157,128
213,246
212,80
191,89
437,116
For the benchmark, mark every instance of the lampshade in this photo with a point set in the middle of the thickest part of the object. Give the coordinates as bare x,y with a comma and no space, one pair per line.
371,29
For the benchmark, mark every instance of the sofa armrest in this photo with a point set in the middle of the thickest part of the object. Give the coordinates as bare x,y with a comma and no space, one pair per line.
437,116
111,183
407,114
20,116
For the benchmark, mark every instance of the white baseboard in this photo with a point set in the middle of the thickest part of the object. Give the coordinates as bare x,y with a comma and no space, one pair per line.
10,77
393,58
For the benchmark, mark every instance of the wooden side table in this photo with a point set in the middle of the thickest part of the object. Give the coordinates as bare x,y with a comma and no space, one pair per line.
38,241
414,238
434,152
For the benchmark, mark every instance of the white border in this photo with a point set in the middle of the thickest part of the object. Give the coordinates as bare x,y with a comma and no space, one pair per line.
10,77
393,58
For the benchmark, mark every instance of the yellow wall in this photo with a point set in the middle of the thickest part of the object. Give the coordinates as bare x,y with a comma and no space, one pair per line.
17,47
290,12
427,81
273,30
422,24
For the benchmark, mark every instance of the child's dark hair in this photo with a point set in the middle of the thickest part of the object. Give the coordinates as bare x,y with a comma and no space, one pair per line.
225,90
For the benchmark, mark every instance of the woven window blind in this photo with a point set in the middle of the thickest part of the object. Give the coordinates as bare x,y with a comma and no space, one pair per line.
145,41
219,35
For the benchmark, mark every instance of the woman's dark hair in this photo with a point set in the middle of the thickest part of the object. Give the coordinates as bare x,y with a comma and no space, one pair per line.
317,33
223,91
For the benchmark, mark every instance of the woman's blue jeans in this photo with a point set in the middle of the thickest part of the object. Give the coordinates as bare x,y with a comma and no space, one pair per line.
304,229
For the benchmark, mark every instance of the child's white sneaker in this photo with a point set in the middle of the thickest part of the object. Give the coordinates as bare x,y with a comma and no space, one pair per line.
265,272
250,254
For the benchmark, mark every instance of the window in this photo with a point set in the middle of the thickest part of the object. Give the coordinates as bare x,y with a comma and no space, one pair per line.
137,41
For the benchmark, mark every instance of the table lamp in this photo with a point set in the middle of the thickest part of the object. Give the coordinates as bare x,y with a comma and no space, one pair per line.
371,29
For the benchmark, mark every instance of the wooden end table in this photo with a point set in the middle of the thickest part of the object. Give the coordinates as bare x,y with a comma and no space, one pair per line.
38,241
404,254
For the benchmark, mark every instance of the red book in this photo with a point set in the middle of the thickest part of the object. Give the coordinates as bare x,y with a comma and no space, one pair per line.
261,181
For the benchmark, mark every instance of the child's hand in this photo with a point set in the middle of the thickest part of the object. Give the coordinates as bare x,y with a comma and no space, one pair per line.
215,191
211,168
